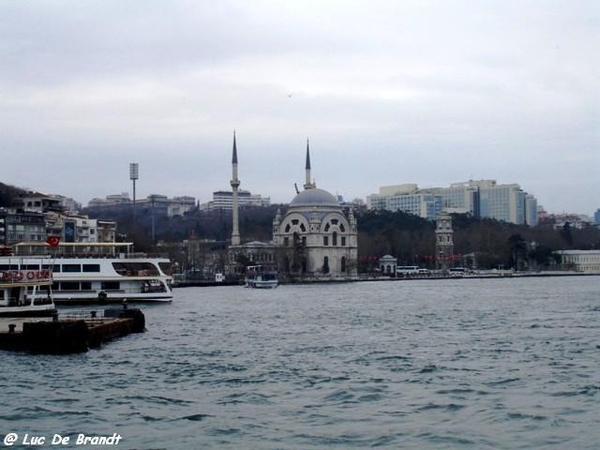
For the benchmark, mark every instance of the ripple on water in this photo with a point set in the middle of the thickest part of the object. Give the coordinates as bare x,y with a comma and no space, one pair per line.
481,364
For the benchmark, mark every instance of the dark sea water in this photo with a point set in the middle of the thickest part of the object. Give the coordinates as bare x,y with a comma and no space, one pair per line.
482,364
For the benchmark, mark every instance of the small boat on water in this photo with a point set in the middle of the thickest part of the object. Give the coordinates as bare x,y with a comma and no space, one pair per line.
26,293
259,278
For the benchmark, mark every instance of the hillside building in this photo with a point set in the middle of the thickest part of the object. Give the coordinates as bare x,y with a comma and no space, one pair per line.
482,199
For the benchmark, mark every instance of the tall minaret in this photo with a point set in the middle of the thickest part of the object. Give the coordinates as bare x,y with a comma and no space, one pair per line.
235,183
308,184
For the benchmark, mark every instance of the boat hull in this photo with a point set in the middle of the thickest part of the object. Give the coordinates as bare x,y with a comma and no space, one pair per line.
27,311
265,284
66,299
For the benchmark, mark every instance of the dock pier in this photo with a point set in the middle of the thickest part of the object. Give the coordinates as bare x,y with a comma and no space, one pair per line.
69,334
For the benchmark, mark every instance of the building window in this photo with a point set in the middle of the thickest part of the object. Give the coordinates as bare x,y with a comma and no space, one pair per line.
326,264
344,265
286,241
325,240
343,241
334,239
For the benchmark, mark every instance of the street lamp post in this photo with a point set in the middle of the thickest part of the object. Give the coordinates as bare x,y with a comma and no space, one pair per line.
133,176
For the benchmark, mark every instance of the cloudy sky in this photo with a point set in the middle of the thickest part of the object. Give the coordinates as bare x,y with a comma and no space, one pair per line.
388,92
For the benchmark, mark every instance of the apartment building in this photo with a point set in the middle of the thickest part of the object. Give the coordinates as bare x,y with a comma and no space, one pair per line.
482,199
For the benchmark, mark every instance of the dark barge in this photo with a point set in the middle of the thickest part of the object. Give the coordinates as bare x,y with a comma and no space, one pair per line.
69,334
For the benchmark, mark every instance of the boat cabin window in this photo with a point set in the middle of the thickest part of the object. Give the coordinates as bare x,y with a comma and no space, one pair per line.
91,267
110,285
165,267
71,268
135,269
4,267
30,267
69,286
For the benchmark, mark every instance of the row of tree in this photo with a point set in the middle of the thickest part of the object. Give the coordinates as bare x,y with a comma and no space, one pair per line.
484,243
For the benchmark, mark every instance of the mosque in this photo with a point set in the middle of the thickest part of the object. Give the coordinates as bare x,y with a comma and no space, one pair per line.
315,238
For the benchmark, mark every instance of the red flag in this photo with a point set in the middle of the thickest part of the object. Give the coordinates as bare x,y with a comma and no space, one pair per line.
53,241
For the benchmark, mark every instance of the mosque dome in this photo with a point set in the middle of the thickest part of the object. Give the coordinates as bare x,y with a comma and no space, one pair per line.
314,197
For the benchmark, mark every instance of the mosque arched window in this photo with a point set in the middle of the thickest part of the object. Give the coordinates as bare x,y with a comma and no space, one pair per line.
334,239
326,264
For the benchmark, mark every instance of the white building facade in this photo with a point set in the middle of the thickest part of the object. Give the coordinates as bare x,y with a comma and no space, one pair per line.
317,236
482,199
223,200
408,198
587,261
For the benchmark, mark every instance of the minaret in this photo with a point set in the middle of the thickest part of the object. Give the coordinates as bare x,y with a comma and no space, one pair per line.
235,183
308,184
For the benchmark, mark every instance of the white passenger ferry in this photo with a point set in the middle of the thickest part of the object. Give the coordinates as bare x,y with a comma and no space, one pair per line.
95,272
26,293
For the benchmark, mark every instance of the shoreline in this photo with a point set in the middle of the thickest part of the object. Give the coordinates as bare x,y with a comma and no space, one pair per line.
503,275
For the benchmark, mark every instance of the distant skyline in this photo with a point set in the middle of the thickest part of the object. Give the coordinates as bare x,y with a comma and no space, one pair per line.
388,92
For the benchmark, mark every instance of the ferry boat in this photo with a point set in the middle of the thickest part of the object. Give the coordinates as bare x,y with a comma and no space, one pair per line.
257,277
26,293
96,272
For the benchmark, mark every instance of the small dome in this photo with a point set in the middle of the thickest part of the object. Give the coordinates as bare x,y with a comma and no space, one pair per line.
314,197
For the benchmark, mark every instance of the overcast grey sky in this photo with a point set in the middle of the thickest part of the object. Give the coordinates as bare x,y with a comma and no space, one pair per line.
388,92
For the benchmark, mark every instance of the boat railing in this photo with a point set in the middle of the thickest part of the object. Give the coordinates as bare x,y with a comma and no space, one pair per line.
37,300
132,290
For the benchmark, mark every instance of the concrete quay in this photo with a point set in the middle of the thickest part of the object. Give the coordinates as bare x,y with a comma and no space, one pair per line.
70,334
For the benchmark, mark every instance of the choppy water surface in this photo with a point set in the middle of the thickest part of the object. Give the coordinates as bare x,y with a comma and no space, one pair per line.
509,363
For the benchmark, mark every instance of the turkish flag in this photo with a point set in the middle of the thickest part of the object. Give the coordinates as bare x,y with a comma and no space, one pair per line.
53,241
